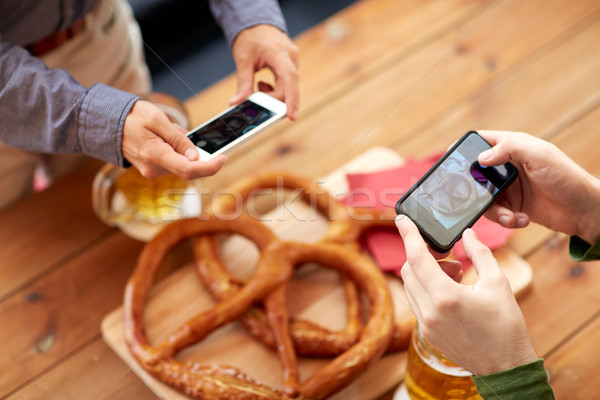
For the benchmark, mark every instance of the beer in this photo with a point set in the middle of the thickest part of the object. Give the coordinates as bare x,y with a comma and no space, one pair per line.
153,200
431,376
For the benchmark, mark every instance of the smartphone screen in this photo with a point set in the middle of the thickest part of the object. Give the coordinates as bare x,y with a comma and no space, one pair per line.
237,122
455,192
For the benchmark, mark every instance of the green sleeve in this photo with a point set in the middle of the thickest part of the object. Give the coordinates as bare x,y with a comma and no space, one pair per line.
581,250
527,381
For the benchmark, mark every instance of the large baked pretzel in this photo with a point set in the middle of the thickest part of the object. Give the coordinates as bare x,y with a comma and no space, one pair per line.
274,267
346,226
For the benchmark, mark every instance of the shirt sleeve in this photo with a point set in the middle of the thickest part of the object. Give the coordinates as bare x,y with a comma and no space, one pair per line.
580,250
45,110
236,15
527,381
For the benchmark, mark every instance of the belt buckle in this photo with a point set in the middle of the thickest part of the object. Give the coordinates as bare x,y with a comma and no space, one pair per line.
55,39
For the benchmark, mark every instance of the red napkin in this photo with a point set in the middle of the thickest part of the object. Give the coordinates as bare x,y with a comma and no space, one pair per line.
382,190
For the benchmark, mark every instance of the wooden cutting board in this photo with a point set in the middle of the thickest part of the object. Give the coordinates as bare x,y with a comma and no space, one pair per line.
314,294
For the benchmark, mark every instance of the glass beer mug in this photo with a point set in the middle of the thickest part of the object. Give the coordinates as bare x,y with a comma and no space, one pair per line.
432,376
140,206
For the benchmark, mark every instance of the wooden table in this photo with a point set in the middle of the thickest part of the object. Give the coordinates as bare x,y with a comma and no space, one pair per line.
409,75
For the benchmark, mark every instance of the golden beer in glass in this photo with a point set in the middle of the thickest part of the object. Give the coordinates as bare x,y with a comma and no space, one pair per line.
141,206
432,376
153,200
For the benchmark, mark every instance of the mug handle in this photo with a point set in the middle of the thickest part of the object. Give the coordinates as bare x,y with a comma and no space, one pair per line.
103,190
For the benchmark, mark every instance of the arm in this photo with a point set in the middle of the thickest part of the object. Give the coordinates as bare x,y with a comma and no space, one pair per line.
527,381
47,111
444,307
495,346
551,189
234,16
257,35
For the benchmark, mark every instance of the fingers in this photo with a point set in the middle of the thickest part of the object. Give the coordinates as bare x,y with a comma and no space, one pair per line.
155,146
200,169
288,82
417,254
178,141
181,166
245,81
506,217
266,46
486,266
516,147
452,268
416,249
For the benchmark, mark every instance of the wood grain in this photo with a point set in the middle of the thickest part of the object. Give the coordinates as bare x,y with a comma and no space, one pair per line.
410,74
49,319
400,114
400,28
51,227
314,295
577,362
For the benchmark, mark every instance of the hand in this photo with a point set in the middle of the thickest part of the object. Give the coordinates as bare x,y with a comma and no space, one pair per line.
551,189
156,146
266,46
480,327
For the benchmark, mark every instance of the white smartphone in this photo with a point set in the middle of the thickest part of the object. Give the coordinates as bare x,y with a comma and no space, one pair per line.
237,124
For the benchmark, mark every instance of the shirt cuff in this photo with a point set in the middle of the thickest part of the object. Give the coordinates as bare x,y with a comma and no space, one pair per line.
527,381
580,250
234,19
101,120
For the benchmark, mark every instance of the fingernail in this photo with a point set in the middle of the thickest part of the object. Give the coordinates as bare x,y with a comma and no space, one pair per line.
470,232
191,154
485,155
504,220
521,221
399,219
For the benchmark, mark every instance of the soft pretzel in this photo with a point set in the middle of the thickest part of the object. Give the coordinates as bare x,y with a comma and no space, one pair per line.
309,339
346,226
266,284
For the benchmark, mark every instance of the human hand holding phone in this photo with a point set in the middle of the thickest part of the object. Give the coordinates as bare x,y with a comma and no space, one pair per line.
455,192
234,126
156,146
480,327
551,188
263,46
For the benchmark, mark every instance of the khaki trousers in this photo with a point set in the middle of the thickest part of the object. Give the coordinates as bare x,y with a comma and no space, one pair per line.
109,50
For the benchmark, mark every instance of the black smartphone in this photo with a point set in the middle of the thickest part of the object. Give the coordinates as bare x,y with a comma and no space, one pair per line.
455,192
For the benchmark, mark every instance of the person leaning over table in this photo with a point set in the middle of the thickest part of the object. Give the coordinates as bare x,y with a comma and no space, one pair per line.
552,190
71,72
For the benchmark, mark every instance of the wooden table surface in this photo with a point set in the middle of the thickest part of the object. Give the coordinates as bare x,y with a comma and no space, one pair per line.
411,75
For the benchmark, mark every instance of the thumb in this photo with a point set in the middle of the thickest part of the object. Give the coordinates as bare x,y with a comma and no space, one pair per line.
486,266
180,142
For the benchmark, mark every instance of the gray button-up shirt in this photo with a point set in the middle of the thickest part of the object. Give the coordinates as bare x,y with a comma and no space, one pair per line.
46,110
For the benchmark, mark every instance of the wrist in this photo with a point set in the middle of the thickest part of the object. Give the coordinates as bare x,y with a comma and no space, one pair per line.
524,354
589,226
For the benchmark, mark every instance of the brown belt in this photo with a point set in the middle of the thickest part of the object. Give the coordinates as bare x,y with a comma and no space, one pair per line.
56,39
